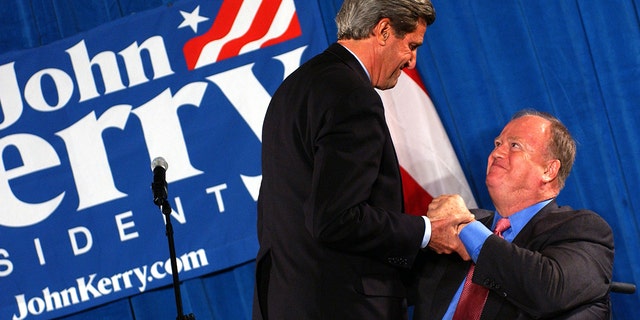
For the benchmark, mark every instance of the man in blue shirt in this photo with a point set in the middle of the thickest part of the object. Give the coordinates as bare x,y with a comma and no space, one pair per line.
550,262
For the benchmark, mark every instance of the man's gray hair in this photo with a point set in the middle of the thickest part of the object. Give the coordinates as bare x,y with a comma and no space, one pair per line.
357,18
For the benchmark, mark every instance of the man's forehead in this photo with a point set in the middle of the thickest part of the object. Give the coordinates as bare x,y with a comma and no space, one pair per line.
527,123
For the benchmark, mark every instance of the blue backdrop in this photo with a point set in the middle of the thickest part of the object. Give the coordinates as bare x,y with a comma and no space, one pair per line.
482,61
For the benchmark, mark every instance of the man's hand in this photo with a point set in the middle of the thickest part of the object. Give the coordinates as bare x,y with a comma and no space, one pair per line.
448,215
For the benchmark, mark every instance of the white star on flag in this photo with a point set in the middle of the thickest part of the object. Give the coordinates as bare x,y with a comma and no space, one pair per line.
192,19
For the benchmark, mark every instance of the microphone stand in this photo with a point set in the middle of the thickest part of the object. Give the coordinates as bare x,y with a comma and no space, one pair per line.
160,199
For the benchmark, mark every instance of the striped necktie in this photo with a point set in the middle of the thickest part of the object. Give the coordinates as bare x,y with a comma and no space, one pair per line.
474,296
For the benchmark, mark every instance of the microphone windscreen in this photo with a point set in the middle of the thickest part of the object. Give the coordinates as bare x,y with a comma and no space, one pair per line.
159,162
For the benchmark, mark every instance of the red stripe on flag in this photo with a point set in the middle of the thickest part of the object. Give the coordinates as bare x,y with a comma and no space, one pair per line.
416,199
293,31
221,27
413,74
259,28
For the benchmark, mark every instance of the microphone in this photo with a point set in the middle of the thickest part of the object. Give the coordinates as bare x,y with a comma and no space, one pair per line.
159,167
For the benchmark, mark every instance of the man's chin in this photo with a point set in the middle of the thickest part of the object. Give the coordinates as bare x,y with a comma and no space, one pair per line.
492,182
388,86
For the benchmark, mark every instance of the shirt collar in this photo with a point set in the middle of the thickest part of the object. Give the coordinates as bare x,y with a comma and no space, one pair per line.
519,219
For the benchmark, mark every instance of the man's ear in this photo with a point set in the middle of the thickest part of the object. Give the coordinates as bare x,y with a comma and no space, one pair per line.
551,171
382,31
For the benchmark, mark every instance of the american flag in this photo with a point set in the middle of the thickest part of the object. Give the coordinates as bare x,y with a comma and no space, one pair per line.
428,163
241,27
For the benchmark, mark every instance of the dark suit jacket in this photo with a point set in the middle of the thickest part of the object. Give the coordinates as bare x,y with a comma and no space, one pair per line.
558,267
333,238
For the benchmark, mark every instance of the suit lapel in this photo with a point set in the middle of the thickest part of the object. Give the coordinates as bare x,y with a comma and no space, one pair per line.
526,238
352,63
536,226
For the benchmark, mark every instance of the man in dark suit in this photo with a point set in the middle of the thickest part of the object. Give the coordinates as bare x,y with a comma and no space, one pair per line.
551,262
334,242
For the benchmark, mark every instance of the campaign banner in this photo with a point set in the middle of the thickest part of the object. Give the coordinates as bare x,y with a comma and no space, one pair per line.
82,120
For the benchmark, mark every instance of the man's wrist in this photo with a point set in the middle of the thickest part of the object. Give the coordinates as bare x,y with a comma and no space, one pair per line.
473,237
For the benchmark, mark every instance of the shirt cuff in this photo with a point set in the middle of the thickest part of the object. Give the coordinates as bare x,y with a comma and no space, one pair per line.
473,237
427,232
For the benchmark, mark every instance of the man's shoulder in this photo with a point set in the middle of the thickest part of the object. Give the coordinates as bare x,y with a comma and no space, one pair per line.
565,214
335,67
568,222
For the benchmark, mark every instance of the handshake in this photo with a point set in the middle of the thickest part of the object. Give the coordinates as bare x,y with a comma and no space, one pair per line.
448,215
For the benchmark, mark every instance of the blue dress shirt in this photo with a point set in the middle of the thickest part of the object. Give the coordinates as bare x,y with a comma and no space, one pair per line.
475,234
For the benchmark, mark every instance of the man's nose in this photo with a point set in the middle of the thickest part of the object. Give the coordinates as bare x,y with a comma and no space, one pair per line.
498,151
412,62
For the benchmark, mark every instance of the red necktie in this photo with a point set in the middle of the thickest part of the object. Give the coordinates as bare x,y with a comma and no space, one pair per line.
474,296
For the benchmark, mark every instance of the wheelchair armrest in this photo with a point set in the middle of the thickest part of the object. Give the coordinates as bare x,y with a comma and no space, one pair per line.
623,287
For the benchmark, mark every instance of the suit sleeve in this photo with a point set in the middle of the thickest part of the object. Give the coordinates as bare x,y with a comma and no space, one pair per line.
355,178
569,265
